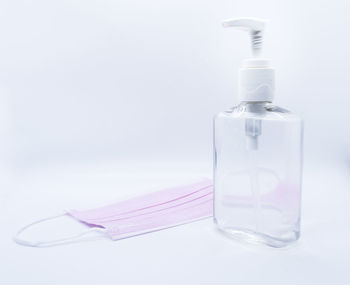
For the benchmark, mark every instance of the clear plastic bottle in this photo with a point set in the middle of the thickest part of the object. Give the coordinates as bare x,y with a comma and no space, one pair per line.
258,153
258,156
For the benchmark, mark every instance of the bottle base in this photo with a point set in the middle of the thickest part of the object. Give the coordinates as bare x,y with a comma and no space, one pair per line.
252,237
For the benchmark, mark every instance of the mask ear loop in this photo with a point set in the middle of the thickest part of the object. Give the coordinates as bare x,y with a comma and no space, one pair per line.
67,240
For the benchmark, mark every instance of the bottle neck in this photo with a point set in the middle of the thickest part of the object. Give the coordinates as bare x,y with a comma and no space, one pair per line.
254,107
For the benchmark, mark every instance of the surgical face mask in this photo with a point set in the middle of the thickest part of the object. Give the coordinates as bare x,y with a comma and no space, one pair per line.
159,210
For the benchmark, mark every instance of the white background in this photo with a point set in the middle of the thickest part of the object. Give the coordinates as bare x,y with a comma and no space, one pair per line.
102,100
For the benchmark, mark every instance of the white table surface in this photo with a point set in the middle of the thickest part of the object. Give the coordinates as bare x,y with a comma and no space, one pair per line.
191,254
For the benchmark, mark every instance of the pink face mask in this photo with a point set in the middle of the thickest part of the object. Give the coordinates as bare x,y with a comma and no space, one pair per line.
159,210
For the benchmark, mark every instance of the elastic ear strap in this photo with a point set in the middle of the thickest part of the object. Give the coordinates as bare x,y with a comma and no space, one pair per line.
21,241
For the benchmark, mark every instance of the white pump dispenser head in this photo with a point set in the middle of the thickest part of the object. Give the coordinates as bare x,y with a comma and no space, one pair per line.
256,78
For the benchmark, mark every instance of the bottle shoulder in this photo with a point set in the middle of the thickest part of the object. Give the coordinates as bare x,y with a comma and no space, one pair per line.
261,111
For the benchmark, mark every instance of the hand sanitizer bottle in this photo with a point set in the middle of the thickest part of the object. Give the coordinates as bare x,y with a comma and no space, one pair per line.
257,156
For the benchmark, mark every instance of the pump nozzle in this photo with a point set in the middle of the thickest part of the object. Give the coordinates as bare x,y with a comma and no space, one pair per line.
256,77
254,26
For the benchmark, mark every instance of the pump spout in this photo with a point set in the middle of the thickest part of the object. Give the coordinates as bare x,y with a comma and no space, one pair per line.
254,26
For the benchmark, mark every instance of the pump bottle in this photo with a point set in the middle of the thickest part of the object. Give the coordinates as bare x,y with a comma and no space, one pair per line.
257,156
